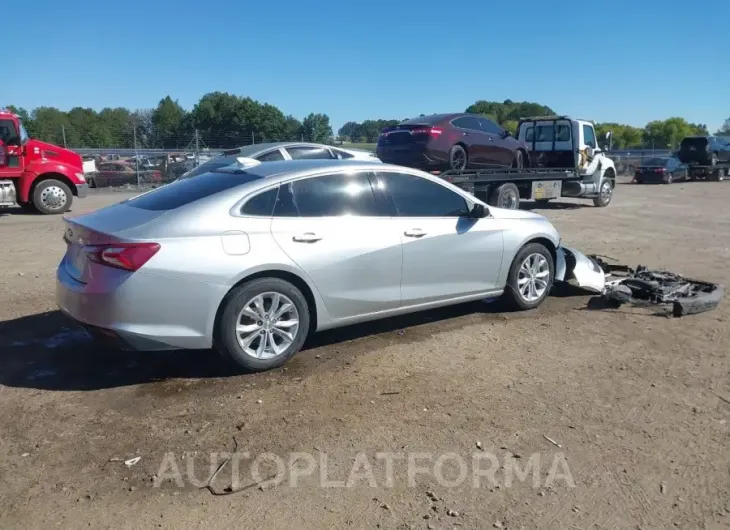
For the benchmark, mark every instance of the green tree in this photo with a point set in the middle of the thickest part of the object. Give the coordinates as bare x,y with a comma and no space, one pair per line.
168,120
293,129
509,110
316,128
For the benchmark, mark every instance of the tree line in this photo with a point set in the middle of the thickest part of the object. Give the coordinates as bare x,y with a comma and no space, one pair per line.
219,120
223,120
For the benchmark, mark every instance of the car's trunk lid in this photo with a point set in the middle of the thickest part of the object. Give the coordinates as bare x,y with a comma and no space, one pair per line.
107,225
405,134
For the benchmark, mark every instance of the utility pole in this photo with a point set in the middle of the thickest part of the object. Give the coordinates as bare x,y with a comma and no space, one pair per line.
63,132
136,158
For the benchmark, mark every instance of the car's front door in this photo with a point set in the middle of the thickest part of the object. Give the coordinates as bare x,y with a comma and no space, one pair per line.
446,254
499,150
332,228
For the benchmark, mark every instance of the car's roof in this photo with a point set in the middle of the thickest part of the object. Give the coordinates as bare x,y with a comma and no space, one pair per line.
253,149
289,167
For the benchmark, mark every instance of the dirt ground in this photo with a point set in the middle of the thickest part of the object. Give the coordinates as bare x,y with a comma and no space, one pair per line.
621,413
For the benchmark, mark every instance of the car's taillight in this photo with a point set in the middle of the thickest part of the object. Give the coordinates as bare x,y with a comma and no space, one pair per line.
660,170
125,256
431,131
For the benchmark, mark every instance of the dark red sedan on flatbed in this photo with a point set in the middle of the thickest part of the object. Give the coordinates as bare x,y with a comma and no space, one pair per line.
451,141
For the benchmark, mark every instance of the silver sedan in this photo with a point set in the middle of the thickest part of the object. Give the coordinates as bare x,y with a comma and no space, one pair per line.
253,258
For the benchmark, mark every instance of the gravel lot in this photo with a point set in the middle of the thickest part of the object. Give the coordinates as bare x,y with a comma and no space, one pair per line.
626,410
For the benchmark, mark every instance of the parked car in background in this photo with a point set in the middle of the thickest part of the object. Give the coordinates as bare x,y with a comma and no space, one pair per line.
661,170
704,150
119,173
451,141
306,245
277,151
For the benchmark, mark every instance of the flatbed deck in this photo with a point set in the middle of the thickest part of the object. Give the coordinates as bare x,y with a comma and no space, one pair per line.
494,175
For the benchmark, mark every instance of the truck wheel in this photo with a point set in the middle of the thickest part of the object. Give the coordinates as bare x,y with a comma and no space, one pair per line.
530,277
506,196
719,175
604,194
52,196
458,158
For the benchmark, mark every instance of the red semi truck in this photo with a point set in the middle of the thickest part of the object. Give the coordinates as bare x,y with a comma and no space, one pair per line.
36,175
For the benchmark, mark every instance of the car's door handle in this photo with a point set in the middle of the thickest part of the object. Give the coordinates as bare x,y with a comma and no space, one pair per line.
307,237
414,232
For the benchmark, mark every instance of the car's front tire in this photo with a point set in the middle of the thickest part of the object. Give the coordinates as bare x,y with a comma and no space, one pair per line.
263,324
530,277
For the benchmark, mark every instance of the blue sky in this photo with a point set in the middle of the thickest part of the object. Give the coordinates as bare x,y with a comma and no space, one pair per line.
622,61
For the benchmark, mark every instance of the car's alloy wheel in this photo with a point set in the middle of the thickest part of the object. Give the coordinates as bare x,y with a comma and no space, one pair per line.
262,324
457,158
267,325
530,277
533,277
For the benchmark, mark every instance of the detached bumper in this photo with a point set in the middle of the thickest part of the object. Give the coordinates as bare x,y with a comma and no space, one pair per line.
82,190
578,270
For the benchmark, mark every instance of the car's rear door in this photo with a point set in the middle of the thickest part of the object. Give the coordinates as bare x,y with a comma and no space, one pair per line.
332,228
446,254
468,131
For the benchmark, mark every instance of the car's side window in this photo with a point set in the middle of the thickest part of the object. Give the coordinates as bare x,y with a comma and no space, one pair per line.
335,195
261,205
467,122
341,154
309,153
415,196
488,126
271,156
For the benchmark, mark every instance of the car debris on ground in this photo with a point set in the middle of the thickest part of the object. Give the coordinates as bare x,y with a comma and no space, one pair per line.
642,287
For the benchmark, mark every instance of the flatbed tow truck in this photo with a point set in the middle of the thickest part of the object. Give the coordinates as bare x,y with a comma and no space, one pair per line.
718,172
565,161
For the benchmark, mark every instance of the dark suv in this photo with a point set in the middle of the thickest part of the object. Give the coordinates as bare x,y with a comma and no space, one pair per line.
704,150
450,141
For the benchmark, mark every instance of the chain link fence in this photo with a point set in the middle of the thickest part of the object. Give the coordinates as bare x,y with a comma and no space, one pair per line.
130,157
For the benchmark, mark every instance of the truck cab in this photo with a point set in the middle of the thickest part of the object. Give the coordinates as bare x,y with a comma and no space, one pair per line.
563,142
37,175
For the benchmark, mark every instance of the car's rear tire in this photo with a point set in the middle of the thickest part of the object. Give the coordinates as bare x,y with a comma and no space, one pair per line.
256,313
52,197
519,160
458,158
506,196
530,278
668,179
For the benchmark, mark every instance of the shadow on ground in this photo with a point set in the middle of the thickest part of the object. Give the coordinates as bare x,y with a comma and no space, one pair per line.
529,206
49,352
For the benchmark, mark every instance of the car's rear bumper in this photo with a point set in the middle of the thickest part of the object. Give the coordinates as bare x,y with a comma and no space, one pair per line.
142,311
416,157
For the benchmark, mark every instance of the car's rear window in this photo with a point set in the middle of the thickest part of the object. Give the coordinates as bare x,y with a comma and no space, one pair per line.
210,165
426,120
188,190
694,142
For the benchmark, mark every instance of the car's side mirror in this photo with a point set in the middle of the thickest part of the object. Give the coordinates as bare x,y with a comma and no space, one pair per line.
478,211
